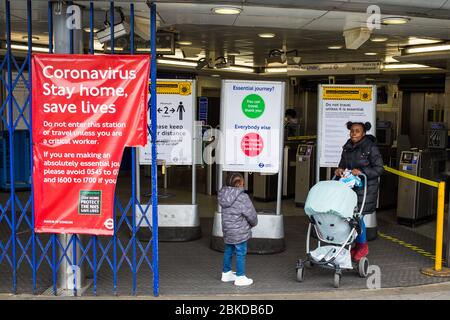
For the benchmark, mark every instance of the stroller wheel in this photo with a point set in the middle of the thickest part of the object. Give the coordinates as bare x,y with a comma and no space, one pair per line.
337,280
300,274
363,267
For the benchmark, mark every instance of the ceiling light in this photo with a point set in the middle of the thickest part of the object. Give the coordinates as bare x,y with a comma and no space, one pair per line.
32,38
390,59
88,29
266,35
184,43
115,48
215,75
404,66
443,47
25,48
177,62
240,69
416,41
226,10
276,70
379,39
370,53
395,20
335,47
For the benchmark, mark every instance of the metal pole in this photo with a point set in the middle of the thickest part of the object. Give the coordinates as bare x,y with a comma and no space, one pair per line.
319,126
33,234
194,144
67,41
440,226
134,175
11,146
280,170
154,154
94,237
221,145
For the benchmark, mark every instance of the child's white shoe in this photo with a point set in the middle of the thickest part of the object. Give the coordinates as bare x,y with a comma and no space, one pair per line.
243,281
228,276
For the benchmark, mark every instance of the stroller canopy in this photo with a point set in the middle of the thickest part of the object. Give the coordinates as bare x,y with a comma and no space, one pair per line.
332,197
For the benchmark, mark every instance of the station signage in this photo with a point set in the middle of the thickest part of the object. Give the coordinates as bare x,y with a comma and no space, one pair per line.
175,123
86,110
337,105
334,68
252,125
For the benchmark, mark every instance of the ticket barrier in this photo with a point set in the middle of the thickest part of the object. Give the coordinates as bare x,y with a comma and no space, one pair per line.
416,202
265,186
304,173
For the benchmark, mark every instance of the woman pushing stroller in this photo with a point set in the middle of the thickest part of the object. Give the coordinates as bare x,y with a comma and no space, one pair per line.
360,154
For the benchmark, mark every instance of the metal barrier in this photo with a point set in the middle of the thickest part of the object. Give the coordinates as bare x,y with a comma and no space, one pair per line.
438,270
21,249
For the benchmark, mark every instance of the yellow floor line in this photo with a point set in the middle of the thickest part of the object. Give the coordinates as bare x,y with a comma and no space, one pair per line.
408,246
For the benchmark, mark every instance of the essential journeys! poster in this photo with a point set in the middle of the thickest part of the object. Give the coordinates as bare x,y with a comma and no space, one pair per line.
86,109
252,113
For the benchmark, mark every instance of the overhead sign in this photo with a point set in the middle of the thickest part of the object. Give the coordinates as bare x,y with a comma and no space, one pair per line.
339,104
175,110
334,68
86,109
252,125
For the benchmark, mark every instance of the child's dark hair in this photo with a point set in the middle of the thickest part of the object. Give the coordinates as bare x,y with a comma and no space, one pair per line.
233,179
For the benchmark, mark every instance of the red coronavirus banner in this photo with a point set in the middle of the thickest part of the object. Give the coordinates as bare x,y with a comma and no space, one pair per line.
86,109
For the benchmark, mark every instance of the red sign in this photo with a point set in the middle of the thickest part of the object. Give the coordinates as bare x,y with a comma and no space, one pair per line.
86,109
252,144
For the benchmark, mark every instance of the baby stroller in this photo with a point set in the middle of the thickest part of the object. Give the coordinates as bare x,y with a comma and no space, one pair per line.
331,207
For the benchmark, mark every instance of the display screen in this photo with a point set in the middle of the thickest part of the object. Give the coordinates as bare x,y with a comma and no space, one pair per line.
302,151
407,157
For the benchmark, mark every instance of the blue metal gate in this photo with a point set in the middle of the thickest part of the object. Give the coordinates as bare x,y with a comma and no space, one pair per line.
30,262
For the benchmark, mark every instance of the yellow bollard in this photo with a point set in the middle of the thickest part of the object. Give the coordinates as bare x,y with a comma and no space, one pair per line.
438,270
440,226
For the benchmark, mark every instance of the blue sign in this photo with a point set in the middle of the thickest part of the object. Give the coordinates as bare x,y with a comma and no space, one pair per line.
203,109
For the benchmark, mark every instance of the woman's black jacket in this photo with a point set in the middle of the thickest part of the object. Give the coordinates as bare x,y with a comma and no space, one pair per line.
366,157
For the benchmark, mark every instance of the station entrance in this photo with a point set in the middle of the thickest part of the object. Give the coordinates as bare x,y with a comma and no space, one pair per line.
165,238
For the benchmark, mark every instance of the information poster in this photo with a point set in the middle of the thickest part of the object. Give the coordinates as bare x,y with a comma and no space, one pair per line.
339,104
86,109
252,116
175,110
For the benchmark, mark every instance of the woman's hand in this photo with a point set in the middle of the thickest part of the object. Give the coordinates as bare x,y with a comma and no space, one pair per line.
356,172
339,172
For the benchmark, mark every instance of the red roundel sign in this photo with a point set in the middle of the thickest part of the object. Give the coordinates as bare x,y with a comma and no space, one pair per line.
252,144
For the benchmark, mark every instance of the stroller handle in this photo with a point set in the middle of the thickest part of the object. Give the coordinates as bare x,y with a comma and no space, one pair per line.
335,177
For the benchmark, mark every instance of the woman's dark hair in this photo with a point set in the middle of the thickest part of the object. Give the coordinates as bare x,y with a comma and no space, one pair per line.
291,113
233,179
366,126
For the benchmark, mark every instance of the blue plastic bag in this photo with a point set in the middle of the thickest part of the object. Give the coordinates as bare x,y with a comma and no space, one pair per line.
350,180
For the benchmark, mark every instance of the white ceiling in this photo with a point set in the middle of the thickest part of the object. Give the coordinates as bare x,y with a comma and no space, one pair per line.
309,26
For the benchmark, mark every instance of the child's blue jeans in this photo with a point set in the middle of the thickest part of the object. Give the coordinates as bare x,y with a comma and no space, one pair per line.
241,251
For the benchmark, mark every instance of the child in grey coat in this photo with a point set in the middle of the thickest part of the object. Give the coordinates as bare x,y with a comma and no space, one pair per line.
238,218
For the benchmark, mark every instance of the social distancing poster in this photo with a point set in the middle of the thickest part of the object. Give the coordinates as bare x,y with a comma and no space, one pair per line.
86,109
174,135
252,116
337,105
